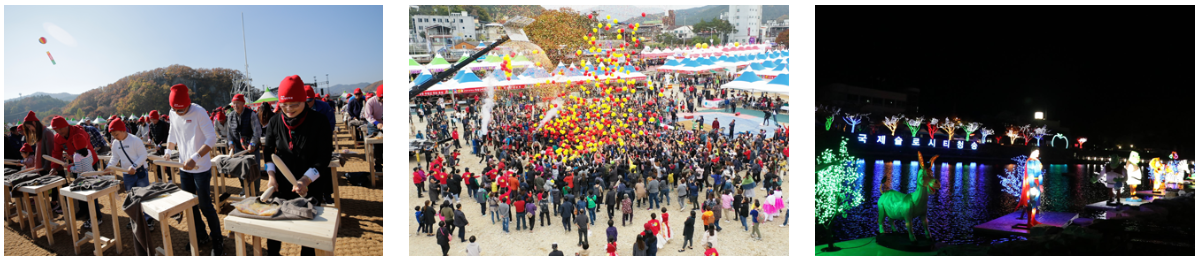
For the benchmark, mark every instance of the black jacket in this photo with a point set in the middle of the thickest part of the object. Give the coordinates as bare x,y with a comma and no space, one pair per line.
443,236
460,219
689,227
312,147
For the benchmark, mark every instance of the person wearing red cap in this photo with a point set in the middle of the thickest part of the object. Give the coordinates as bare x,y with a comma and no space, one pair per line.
354,110
42,140
159,130
27,156
242,132
75,141
193,134
95,137
314,102
373,115
304,142
129,153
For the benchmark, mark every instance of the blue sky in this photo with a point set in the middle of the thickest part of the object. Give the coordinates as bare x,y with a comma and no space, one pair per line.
97,45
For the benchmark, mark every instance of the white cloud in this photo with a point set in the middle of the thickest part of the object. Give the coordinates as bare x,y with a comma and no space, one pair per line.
59,34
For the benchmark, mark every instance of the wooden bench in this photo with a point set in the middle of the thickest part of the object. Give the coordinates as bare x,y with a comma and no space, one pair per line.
337,194
163,207
18,208
320,233
101,243
43,208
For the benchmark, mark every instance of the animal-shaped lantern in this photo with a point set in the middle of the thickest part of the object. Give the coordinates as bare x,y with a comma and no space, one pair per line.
909,207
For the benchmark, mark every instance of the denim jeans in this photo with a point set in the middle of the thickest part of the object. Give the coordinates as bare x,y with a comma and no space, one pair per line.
371,129
494,216
665,196
717,223
592,215
743,219
139,179
504,222
520,220
786,216
198,183
653,200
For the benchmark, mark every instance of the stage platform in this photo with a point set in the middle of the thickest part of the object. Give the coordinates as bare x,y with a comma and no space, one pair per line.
867,247
1004,225
1103,205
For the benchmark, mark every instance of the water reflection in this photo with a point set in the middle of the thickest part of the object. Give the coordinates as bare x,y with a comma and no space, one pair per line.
970,195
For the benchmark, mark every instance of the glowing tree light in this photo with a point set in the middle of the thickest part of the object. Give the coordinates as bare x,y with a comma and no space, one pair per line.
1013,133
1060,136
854,119
949,127
914,125
986,132
1024,133
1081,141
891,122
1037,133
829,121
1012,179
971,127
929,126
838,189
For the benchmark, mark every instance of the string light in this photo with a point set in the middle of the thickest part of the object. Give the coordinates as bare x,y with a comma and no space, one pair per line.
949,127
854,119
838,189
915,125
971,127
985,132
891,122
1012,179
1038,133
1012,134
1060,136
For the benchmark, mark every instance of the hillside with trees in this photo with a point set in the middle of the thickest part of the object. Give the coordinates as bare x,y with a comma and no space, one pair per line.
149,90
44,105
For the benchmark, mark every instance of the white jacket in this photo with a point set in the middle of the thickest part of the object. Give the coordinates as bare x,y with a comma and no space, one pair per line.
132,146
189,132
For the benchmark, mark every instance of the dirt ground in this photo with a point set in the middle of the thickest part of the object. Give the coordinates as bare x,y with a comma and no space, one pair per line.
493,241
360,233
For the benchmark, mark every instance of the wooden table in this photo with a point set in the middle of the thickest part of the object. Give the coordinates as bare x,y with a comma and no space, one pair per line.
43,208
101,243
171,168
158,170
104,160
163,207
320,233
17,209
370,149
219,184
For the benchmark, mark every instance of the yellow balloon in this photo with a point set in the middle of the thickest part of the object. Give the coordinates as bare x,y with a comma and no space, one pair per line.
636,25
735,44
651,88
594,30
606,17
660,94
614,21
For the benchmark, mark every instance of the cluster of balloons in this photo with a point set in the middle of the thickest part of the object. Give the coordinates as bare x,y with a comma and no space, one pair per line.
588,124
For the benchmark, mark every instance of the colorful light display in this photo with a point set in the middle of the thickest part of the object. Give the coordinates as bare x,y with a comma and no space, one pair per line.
914,125
1013,133
1037,133
1060,136
909,207
985,132
854,119
930,126
1011,180
891,122
1081,141
829,121
949,127
838,189
971,127
1024,133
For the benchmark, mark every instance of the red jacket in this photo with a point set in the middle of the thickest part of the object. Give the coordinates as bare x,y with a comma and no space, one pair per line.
73,133
418,177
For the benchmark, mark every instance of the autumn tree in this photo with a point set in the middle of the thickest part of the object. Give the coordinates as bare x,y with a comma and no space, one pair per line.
782,38
560,32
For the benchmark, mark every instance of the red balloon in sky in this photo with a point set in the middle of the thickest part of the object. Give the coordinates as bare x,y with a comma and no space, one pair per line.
643,14
42,40
589,16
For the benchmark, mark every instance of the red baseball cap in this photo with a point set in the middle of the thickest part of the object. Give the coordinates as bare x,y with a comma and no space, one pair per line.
357,90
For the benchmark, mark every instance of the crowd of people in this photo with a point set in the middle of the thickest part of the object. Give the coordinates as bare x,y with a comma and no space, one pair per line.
298,128
642,164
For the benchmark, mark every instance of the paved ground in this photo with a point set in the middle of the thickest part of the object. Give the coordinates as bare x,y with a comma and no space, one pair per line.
493,241
360,233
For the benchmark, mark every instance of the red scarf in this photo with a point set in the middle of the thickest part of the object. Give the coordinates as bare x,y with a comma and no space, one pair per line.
292,128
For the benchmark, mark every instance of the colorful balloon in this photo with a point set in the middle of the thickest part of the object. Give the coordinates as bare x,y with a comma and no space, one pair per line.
643,14
42,40
51,59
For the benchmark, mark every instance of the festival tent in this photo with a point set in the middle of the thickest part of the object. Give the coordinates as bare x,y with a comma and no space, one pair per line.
521,61
747,81
669,66
421,78
778,85
463,82
438,64
414,66
632,72
560,69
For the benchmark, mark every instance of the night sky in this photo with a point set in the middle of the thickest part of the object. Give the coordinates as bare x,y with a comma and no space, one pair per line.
1117,75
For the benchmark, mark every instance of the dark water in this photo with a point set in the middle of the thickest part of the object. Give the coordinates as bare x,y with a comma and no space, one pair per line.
970,194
